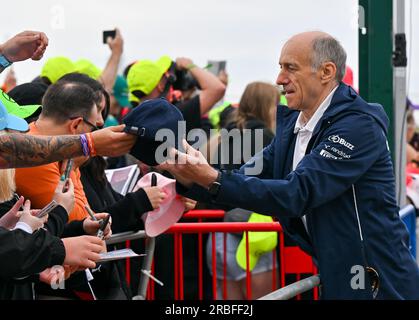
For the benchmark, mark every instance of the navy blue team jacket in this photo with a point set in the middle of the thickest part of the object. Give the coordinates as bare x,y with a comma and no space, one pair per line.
347,167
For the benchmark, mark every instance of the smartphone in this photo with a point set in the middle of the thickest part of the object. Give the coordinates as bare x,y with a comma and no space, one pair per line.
47,209
215,66
107,34
68,168
66,174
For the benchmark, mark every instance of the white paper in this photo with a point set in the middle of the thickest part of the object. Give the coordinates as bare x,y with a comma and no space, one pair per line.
118,254
123,179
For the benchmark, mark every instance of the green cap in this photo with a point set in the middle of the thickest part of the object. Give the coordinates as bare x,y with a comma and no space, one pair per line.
120,91
88,68
144,75
55,68
17,110
260,242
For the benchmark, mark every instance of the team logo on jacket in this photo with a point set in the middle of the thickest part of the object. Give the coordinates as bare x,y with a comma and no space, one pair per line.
336,139
327,154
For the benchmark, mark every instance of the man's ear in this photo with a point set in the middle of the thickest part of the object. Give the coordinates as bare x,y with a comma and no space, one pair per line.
74,124
328,72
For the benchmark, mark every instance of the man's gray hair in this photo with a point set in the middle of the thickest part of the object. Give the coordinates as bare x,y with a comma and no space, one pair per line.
328,49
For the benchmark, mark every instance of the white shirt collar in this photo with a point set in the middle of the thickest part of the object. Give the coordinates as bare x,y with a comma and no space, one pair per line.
311,124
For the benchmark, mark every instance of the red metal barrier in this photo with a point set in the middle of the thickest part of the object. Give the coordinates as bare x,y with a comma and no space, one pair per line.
211,227
291,259
296,261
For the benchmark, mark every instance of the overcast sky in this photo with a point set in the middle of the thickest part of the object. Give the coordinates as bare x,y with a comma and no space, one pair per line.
248,34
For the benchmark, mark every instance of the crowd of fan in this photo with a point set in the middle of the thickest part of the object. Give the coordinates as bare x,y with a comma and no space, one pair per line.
74,109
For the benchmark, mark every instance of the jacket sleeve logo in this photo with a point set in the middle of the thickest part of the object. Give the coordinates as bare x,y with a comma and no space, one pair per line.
336,139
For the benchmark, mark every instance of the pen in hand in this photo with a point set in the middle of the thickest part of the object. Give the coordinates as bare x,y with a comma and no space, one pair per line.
90,212
103,224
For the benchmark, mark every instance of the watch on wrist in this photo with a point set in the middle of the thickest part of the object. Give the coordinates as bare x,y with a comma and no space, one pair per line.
4,62
215,186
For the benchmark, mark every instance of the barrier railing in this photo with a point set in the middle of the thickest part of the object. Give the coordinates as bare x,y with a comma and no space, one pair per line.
294,289
146,288
407,214
210,227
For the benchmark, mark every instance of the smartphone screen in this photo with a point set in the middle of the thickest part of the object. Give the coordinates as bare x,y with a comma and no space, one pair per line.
66,174
108,33
68,169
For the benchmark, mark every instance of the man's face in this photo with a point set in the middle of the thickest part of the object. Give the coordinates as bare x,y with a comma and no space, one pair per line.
301,84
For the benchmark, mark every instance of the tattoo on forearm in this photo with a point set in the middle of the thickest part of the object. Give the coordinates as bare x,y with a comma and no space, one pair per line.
23,150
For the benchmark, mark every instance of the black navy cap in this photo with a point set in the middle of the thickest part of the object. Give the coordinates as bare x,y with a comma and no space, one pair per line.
146,120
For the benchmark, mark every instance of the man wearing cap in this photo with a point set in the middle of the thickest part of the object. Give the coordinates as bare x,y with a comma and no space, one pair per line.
153,79
327,177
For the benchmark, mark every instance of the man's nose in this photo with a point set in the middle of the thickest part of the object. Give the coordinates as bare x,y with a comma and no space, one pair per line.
282,78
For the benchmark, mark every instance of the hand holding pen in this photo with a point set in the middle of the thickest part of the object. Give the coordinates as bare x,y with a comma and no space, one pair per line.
98,224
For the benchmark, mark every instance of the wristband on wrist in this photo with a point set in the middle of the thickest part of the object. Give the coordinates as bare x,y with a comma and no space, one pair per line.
91,144
84,145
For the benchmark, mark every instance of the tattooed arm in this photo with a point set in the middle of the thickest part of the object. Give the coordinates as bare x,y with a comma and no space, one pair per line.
23,150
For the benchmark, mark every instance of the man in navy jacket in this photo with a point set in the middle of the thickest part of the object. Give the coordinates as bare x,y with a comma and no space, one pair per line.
327,177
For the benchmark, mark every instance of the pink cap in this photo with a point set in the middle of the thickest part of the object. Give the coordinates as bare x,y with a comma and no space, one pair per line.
171,209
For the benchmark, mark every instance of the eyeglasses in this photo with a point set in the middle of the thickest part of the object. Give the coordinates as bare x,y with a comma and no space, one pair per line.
94,127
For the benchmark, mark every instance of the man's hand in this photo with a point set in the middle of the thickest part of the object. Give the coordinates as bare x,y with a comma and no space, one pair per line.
29,217
56,274
116,44
10,219
190,167
65,199
223,76
91,227
25,45
190,204
155,196
183,63
83,251
112,141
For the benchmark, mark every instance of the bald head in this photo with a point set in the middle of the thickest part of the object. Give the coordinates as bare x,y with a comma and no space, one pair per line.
321,47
